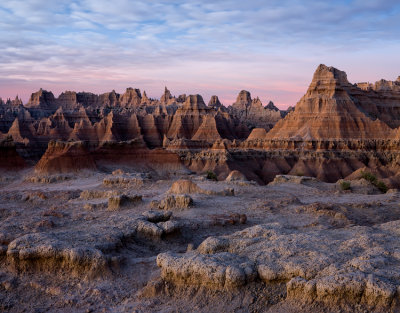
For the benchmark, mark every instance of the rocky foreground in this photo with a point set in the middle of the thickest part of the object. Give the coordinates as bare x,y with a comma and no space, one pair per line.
133,242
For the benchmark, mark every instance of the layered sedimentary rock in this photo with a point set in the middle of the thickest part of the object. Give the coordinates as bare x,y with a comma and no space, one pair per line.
9,158
336,129
252,113
329,265
214,102
96,119
63,157
42,99
330,110
195,121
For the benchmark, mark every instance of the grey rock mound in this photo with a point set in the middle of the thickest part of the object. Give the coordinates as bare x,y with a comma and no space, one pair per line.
292,179
356,264
221,270
171,202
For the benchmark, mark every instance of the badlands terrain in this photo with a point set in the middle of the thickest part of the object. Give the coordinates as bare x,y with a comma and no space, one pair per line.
121,203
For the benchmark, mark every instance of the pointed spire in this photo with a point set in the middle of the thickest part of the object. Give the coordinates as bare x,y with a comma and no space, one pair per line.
166,96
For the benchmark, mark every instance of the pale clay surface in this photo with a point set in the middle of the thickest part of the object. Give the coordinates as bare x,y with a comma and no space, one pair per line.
306,246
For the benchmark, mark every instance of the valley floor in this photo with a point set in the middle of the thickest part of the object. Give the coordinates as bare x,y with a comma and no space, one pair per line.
85,243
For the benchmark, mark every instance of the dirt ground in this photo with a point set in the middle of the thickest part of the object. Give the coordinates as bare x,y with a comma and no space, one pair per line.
64,249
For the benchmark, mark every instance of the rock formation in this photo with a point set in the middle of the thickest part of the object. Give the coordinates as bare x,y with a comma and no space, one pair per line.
214,103
252,112
43,100
10,160
335,129
166,97
329,110
64,158
323,225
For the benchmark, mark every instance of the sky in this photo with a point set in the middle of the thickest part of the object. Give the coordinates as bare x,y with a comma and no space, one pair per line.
270,48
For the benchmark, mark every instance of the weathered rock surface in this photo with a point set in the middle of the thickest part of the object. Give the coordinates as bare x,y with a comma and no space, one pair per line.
350,265
287,247
171,202
185,186
335,129
282,179
236,176
123,180
45,251
252,112
61,157
10,160
119,201
333,108
221,270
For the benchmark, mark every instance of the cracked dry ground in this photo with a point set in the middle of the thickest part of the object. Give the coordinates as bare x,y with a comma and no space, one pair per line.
305,247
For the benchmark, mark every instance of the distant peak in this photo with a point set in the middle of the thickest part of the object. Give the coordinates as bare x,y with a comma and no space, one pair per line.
244,96
271,106
214,102
324,72
166,96
194,102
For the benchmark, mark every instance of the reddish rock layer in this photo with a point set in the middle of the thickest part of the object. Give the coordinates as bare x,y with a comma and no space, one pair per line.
65,157
337,128
329,110
10,160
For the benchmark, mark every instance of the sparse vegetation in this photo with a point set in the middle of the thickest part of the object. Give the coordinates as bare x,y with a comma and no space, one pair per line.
374,181
299,173
369,177
382,186
211,175
345,185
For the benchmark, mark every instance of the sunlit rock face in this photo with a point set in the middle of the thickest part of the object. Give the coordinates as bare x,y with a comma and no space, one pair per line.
336,129
333,108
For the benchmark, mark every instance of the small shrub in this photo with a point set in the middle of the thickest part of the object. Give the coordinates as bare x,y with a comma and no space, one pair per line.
211,175
345,185
299,173
382,186
369,177
374,181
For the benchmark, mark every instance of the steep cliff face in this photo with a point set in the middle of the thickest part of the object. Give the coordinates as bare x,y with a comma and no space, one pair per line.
43,100
65,157
188,118
329,110
253,114
134,154
336,129
9,110
132,97
10,160
84,116
214,103
257,134
380,100
208,130
166,98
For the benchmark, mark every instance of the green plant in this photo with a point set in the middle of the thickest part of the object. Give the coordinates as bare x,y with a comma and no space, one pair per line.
369,177
382,186
211,175
374,181
345,185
